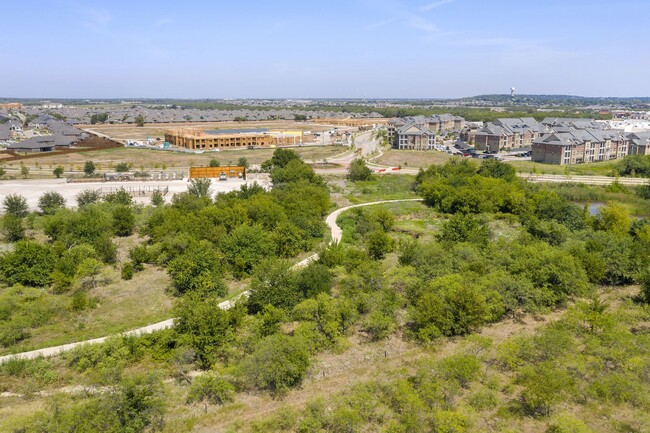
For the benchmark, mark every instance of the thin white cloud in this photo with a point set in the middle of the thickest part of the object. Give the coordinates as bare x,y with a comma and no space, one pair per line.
424,25
96,19
162,22
434,5
281,24
379,24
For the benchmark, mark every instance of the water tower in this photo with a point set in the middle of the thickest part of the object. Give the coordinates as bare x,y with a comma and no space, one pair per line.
512,92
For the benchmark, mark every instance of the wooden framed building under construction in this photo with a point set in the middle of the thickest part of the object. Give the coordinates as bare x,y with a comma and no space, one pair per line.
197,139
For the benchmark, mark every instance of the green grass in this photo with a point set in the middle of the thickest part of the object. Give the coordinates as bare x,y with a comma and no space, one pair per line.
381,187
605,168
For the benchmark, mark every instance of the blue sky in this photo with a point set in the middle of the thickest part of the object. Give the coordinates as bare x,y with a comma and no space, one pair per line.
310,49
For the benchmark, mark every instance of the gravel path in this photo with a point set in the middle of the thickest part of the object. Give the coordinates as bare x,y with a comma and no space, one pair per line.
336,232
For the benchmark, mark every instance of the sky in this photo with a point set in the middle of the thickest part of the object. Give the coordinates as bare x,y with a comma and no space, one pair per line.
322,49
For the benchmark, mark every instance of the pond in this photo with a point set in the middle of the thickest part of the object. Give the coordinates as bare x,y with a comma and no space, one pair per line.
594,207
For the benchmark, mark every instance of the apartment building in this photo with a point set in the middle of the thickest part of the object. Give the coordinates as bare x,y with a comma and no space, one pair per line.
419,132
570,145
505,134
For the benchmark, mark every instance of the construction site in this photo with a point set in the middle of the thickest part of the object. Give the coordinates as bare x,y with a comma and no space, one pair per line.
200,139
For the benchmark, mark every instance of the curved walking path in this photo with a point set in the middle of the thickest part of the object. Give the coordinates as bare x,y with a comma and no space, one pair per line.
336,234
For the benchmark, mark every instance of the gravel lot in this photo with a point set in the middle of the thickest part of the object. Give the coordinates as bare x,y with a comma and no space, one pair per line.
33,189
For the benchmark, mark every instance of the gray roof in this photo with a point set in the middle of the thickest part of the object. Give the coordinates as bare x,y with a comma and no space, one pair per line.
5,131
574,136
38,142
639,138
419,129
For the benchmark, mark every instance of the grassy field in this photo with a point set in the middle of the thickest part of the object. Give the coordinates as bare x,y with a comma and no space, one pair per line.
381,187
120,306
412,158
605,168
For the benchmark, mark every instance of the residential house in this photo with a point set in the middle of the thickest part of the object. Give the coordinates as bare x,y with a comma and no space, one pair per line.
5,133
44,143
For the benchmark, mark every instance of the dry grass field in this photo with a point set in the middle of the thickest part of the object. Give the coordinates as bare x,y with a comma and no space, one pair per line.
412,158
141,158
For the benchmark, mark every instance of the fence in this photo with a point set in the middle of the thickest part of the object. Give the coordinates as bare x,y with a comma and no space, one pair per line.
134,191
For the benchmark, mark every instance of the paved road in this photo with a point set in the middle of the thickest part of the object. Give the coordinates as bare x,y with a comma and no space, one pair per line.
336,234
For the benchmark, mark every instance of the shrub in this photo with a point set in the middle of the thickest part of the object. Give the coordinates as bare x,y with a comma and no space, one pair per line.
277,363
16,205
12,228
123,221
127,271
121,197
89,168
86,197
50,202
359,171
210,388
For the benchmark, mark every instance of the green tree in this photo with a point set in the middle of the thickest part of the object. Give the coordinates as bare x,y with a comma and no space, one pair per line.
289,240
199,188
87,272
242,161
497,169
122,167
246,246
139,120
204,327
86,197
214,163
58,171
544,386
314,279
277,363
294,171
464,228
157,199
98,118
379,244
24,171
450,307
359,171
29,264
614,218
197,270
50,202
123,220
13,228
281,157
119,197
127,271
134,405
89,168
16,205
275,283
210,388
